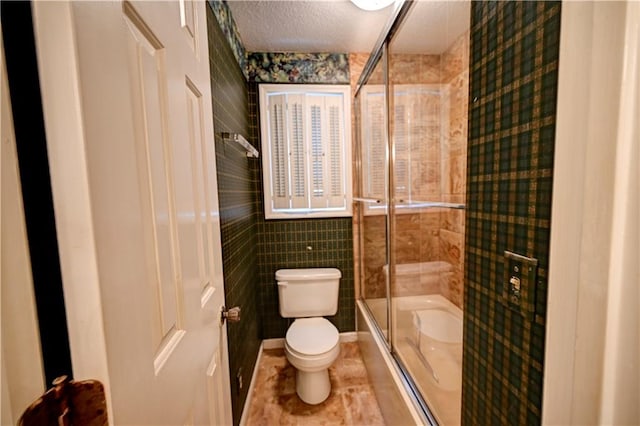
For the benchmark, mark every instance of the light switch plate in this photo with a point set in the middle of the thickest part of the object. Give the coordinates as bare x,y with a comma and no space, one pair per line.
519,285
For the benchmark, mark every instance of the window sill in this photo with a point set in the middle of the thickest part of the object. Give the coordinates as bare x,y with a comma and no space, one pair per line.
307,214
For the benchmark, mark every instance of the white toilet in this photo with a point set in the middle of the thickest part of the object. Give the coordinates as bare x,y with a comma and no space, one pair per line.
312,343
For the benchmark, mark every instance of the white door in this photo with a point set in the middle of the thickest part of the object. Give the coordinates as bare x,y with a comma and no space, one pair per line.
128,114
21,374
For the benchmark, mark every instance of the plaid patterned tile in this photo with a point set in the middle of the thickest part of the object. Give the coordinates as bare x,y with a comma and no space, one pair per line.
513,89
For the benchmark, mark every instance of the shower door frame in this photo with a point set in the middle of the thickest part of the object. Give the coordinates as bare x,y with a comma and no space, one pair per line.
376,58
379,54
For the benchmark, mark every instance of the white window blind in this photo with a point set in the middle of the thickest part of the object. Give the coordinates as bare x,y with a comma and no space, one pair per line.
278,134
306,150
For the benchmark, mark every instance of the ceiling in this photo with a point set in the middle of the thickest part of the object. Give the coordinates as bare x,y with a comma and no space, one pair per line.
339,26
307,26
432,26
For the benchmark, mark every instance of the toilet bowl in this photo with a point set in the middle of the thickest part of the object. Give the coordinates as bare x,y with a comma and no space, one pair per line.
311,346
312,343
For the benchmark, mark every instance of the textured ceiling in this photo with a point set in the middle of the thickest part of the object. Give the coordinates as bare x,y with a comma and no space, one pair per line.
432,26
339,26
307,26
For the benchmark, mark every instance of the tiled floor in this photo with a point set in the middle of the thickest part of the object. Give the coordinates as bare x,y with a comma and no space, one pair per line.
352,402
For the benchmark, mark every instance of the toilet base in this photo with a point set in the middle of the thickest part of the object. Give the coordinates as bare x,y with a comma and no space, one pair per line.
313,387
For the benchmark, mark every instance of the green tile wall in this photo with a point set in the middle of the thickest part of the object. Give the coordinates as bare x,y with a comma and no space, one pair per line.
283,244
512,104
238,210
331,241
252,248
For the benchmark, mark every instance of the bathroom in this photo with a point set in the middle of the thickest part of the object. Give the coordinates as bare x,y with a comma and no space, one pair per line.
498,197
498,373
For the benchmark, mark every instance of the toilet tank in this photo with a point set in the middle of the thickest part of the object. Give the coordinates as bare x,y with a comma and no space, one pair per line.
309,292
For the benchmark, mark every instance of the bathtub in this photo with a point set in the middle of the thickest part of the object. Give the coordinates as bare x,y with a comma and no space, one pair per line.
427,337
397,403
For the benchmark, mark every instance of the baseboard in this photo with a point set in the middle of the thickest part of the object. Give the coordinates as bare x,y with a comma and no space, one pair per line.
273,343
247,403
349,337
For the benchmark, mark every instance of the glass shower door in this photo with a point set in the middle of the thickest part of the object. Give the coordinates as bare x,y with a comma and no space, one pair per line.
372,206
428,93
411,170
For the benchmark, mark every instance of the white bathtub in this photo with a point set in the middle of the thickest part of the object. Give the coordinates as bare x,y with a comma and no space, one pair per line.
427,337
397,404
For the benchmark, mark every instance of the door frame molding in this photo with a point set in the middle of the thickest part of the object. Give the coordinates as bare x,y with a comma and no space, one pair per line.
592,273
31,146
62,105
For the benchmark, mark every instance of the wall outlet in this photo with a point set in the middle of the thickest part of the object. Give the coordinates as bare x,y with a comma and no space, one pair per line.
519,287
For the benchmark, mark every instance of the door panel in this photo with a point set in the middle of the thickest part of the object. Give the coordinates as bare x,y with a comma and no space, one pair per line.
144,102
149,86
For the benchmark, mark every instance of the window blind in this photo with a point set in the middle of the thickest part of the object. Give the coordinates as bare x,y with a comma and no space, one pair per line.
308,169
278,135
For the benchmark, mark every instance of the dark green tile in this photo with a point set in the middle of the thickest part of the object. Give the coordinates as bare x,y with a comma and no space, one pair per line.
551,37
237,195
527,54
526,94
508,21
492,34
508,65
547,138
529,12
506,110
549,93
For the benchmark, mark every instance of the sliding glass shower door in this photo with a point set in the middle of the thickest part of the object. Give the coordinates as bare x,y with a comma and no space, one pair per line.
412,118
372,206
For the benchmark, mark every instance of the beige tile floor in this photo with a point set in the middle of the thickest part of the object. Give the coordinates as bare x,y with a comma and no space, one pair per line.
351,402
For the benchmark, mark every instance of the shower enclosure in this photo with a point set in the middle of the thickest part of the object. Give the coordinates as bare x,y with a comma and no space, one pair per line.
411,109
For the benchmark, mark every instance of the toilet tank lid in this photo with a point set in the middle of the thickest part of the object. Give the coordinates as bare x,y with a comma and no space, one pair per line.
307,273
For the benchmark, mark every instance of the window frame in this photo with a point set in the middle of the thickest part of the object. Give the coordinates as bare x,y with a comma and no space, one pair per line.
307,91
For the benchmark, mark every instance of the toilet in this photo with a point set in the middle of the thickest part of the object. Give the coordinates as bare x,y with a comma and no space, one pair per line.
312,343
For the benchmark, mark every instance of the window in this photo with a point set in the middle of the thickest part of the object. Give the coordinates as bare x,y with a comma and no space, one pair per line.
306,150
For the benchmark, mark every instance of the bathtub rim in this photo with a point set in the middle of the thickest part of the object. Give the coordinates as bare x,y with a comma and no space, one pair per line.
416,407
408,304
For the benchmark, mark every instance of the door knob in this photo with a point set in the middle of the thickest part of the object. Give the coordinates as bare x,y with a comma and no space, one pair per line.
231,314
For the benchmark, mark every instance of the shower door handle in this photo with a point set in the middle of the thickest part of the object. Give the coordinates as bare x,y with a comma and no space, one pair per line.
368,200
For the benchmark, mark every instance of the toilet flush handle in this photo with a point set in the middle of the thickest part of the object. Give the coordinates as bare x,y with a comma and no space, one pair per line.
283,283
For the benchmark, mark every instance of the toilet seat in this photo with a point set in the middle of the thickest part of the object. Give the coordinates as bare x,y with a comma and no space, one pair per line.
312,336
